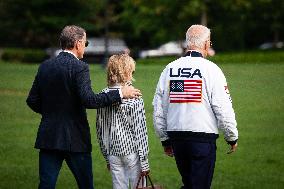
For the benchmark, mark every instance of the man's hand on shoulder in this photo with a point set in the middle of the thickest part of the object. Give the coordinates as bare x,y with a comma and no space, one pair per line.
130,92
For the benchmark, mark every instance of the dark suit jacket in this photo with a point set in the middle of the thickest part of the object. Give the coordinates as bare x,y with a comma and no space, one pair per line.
61,92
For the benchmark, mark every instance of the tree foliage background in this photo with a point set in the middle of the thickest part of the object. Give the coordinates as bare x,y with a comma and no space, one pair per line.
235,24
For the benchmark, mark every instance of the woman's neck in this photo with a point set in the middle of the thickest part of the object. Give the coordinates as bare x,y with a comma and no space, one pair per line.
127,83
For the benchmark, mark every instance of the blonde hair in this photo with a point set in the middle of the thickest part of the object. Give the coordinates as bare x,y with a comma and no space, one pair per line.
119,68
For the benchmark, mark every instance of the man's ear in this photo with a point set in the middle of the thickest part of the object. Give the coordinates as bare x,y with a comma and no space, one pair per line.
205,50
206,46
76,45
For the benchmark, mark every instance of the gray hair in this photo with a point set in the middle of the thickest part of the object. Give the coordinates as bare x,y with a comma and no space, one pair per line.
197,35
69,35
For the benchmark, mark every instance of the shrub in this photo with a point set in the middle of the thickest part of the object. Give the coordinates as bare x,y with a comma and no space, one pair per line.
23,55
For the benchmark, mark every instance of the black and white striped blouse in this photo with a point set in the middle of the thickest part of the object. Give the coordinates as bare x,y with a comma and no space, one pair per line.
121,130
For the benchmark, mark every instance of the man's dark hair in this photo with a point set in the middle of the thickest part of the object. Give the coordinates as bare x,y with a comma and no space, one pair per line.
69,35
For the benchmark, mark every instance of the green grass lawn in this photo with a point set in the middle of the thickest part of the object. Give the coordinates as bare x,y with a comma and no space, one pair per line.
256,86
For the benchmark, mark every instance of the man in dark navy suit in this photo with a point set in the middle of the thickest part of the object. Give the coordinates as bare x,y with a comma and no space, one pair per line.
61,92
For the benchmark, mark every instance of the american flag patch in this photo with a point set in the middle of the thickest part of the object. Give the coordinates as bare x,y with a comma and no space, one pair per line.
185,91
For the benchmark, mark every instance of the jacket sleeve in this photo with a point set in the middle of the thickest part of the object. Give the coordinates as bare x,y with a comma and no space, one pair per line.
223,109
88,98
33,99
160,103
138,122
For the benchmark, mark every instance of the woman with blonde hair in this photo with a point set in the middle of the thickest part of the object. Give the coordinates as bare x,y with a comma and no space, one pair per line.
121,129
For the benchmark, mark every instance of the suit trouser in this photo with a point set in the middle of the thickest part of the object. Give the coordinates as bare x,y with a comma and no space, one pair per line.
195,162
50,162
125,170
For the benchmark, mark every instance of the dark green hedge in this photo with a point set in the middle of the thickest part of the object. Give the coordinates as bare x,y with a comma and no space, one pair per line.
23,55
276,56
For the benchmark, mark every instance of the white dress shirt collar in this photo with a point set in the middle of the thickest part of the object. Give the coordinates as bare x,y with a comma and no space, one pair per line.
71,53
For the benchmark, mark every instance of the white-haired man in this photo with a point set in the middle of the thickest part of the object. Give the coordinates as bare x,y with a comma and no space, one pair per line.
191,102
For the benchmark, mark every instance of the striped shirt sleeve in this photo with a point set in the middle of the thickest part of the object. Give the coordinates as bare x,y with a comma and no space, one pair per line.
103,133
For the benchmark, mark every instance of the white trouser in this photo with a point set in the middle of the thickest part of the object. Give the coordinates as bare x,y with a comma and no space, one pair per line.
125,169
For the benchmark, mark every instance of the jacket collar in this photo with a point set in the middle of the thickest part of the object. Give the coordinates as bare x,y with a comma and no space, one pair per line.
193,54
68,53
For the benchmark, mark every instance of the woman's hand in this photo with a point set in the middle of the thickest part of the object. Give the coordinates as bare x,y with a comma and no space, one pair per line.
145,173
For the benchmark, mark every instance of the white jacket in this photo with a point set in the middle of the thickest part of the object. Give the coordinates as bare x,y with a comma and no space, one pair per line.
192,95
